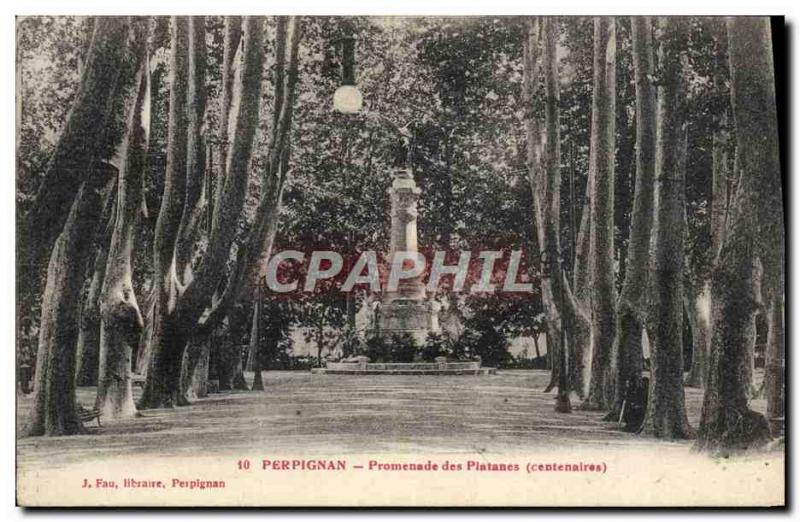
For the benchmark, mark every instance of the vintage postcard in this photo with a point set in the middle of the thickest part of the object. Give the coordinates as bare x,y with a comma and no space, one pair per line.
409,261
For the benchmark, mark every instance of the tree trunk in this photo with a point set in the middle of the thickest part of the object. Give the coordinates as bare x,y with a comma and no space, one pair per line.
256,250
162,385
186,302
545,180
582,340
754,230
320,341
87,360
238,322
121,320
698,309
190,301
88,352
774,366
161,388
601,219
549,353
666,409
727,422
536,345
191,217
239,382
145,340
249,364
201,371
748,369
233,36
536,175
255,343
582,286
224,359
631,307
75,151
192,369
258,379
55,411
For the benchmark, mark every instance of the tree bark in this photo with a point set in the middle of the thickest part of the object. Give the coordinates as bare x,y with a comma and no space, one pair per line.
266,222
583,289
532,44
168,337
256,250
545,180
180,307
192,214
75,151
224,359
251,348
700,298
88,351
55,410
631,307
194,369
698,310
239,382
536,345
255,343
774,366
87,360
145,344
233,37
666,410
601,220
754,230
121,320
727,423
201,370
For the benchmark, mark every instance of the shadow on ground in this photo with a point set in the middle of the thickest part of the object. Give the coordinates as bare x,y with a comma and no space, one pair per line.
324,414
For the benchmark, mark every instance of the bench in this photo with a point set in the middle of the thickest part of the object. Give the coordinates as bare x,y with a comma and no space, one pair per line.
87,415
138,380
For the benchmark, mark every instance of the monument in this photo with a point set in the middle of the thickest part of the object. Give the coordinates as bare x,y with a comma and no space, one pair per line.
408,310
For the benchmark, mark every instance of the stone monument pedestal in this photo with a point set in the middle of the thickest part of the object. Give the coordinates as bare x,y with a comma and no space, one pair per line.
405,310
406,316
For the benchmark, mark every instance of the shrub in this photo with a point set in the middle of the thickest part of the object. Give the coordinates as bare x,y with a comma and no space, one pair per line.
377,349
435,345
403,348
489,344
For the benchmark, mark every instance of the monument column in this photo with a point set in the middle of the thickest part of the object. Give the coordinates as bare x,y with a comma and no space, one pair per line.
404,195
407,310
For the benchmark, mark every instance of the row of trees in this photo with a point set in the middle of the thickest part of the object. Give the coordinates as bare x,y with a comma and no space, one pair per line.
337,160
197,219
745,272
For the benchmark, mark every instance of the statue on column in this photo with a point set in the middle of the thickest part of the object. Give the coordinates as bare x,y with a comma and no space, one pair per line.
406,310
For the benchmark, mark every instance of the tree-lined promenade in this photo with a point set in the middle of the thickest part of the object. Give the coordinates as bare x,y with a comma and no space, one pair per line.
621,177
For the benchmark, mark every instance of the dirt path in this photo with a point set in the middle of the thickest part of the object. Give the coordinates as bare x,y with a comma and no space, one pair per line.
321,414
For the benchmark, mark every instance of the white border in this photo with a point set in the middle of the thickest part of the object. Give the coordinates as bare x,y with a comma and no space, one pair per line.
320,7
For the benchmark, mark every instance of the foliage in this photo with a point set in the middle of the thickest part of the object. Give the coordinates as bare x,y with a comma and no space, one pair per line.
396,348
455,85
483,340
436,345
